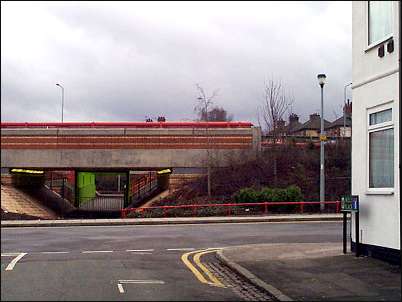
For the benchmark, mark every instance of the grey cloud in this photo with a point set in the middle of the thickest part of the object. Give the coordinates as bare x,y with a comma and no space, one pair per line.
119,65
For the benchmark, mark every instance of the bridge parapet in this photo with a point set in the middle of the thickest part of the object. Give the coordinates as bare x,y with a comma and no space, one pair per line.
127,147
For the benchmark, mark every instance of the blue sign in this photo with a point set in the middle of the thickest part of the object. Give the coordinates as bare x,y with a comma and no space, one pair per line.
355,202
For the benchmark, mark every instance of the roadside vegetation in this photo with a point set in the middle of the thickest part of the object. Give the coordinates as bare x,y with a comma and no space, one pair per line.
296,179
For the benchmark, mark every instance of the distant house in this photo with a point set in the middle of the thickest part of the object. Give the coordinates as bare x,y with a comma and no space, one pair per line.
342,127
312,127
284,130
281,127
293,124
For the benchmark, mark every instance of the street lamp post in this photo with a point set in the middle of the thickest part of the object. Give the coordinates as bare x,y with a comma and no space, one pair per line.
321,81
344,105
62,102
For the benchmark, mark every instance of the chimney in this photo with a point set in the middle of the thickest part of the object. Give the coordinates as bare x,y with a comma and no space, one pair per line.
347,108
314,116
293,118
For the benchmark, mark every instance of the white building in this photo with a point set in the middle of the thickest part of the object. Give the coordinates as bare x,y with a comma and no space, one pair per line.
375,124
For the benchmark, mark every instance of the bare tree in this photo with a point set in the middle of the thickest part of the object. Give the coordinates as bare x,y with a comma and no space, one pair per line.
275,104
203,103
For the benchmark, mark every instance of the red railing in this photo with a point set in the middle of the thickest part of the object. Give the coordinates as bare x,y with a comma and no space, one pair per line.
142,182
124,212
127,125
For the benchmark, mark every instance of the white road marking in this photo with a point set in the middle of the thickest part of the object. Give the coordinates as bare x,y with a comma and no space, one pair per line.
89,252
150,250
120,287
9,254
121,282
54,252
182,249
14,262
141,253
142,281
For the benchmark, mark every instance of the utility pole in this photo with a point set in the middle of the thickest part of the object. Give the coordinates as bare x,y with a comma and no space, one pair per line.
321,81
344,106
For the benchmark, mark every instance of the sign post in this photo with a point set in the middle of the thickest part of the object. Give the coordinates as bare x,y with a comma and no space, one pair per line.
345,217
350,203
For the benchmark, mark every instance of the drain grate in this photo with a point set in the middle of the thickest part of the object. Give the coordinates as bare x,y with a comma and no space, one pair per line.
239,285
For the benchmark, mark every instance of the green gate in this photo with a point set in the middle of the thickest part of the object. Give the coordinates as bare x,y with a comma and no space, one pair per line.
86,186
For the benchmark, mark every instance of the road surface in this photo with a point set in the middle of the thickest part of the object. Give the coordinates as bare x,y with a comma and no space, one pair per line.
142,263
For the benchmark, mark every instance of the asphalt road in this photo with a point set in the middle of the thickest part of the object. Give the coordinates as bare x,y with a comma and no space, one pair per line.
135,262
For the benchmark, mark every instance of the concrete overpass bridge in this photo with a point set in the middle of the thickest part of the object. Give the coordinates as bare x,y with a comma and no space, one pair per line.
128,145
92,151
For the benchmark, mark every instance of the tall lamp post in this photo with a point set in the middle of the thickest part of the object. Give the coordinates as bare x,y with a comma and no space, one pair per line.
321,81
62,102
344,104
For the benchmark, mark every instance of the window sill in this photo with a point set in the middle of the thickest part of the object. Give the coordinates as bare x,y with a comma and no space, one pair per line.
375,44
380,192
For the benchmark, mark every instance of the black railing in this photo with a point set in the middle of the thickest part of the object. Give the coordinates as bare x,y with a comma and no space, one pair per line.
62,187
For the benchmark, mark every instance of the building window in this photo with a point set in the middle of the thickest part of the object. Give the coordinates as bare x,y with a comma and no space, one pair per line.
379,21
381,160
381,117
381,149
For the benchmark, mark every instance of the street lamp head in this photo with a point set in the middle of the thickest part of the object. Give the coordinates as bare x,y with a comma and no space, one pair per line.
321,79
57,84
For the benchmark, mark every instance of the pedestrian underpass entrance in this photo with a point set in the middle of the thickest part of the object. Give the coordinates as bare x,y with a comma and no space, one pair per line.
92,193
101,191
105,191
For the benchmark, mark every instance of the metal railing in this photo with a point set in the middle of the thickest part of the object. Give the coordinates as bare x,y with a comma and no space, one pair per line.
144,190
142,187
62,187
110,202
239,124
229,206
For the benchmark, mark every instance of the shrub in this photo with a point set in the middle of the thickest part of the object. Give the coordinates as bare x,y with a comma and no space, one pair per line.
279,194
294,193
266,194
246,195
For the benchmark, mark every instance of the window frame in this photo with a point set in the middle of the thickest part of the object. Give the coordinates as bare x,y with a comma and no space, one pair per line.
375,128
385,38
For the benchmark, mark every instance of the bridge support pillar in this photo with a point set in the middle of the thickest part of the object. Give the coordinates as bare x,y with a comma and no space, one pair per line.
127,190
257,140
76,192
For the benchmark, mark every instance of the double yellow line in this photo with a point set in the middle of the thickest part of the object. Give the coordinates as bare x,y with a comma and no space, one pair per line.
196,258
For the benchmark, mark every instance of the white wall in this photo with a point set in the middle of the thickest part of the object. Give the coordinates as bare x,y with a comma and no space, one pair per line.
375,81
366,63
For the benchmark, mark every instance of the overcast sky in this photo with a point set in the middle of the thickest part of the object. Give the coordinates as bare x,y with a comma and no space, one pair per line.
123,61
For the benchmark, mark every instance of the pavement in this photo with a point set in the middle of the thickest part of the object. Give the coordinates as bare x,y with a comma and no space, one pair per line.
314,272
161,221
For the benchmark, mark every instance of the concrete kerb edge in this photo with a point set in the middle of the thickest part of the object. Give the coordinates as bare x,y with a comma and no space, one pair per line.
155,222
273,291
